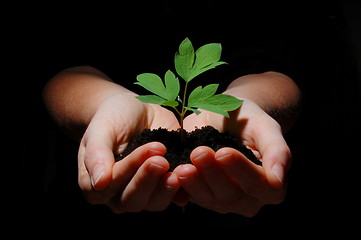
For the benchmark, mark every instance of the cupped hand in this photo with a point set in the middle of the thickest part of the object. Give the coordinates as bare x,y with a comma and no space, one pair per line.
226,181
141,180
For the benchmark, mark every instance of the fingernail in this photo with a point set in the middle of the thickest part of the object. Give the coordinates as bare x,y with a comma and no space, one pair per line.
155,168
172,181
202,161
152,152
201,156
97,174
278,171
225,157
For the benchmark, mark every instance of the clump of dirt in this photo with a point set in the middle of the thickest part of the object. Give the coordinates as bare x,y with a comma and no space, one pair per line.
179,150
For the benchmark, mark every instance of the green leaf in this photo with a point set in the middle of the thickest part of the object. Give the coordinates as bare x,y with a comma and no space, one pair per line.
189,64
197,72
200,94
172,85
154,99
186,47
151,99
153,83
170,103
223,101
184,59
207,55
196,111
204,98
215,109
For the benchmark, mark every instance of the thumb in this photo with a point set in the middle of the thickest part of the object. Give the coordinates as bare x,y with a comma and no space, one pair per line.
276,155
276,164
96,159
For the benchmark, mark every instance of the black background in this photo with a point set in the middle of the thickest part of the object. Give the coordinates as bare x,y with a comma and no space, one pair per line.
318,45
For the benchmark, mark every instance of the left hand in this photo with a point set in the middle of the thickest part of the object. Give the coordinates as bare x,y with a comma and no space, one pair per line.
140,181
226,181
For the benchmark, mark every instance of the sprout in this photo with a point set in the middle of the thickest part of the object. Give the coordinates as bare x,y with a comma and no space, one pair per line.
188,65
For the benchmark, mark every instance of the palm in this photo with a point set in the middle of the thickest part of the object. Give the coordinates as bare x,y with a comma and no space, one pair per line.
113,126
163,118
242,123
208,182
124,124
109,132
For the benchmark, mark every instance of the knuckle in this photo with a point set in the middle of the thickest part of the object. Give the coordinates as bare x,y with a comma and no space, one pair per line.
230,199
158,208
93,157
255,189
93,198
278,198
134,206
250,212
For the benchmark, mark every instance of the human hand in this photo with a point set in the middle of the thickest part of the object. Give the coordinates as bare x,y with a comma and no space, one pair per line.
141,180
226,181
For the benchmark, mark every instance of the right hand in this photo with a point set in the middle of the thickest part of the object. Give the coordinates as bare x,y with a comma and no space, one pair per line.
226,181
141,180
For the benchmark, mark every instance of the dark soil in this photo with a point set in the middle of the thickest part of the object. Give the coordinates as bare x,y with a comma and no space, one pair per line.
178,151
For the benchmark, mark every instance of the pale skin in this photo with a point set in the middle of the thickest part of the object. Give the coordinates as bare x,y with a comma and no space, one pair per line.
104,116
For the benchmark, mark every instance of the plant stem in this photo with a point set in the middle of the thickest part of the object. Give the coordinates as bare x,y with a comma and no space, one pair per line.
182,117
183,112
183,104
181,123
184,96
177,111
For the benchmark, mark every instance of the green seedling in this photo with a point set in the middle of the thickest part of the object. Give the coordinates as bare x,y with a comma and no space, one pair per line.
188,65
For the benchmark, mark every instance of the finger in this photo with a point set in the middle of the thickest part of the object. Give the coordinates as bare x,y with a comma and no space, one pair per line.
277,161
97,155
248,176
224,190
276,155
199,193
138,192
181,198
83,174
124,170
193,183
164,193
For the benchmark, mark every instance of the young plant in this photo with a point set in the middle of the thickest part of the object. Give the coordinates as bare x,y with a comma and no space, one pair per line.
188,65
